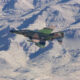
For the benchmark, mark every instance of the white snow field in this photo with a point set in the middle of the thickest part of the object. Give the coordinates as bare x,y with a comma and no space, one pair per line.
23,60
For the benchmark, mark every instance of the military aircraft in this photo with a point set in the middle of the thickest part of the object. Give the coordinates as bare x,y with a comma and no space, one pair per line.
39,37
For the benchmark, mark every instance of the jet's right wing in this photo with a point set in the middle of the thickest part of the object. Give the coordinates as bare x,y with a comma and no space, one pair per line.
47,30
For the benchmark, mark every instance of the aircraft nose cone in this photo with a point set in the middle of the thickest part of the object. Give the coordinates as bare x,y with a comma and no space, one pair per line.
12,31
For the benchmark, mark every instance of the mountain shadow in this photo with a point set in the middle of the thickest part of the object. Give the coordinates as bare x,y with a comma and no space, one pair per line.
5,35
41,50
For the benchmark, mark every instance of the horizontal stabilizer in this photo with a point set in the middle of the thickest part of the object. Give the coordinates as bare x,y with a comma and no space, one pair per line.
60,40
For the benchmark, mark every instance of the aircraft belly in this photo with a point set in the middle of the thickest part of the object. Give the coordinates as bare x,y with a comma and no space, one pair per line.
36,40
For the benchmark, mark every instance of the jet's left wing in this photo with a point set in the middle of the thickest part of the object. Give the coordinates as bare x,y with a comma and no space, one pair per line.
41,44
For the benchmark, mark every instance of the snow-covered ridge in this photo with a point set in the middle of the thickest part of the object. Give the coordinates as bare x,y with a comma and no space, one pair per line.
22,60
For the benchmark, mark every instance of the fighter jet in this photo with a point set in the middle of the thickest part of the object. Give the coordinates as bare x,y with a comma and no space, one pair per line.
39,37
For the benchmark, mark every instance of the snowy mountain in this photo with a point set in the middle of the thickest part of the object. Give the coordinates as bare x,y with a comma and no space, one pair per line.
22,60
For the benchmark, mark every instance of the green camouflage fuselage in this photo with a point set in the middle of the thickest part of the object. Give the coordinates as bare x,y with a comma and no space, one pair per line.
39,35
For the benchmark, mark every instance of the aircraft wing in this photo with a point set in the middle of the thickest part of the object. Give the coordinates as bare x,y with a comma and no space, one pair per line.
46,30
41,44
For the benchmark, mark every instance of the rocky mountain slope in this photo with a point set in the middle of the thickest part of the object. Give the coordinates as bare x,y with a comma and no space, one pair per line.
22,60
